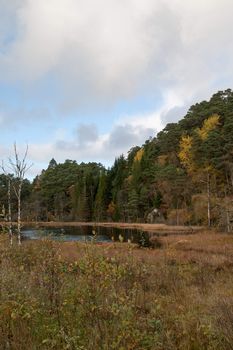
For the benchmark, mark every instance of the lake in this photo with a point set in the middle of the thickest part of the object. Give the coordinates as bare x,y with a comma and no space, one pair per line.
84,234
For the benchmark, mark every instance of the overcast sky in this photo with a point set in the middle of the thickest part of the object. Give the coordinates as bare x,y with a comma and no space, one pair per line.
89,79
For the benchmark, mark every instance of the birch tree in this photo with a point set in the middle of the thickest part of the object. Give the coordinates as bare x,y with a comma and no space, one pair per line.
9,210
8,216
196,162
19,167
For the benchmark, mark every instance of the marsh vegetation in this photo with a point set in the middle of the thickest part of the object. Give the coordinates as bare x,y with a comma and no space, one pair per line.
66,295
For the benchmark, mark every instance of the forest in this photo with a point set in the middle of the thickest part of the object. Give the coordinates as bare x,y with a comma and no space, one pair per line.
176,294
182,176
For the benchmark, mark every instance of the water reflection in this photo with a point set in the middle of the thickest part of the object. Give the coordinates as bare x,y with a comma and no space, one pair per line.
83,234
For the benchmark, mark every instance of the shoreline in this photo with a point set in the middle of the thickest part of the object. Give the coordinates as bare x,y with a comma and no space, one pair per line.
151,228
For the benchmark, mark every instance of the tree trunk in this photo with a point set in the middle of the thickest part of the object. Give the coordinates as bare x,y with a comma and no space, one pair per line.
9,212
231,178
19,168
228,221
208,199
19,214
177,214
227,211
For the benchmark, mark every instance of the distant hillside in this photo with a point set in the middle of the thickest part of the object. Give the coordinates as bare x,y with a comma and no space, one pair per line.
182,176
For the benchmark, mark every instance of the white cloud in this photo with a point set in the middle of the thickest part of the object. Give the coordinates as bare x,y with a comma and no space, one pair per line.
109,48
89,144
88,40
94,53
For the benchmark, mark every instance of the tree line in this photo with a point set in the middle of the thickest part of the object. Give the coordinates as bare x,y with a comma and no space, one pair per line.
182,176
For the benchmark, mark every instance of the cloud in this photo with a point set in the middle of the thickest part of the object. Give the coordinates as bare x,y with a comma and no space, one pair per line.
8,21
67,56
174,114
22,116
81,41
86,134
88,144
109,49
124,136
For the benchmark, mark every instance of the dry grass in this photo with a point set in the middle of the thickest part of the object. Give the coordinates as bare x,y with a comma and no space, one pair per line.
117,296
152,228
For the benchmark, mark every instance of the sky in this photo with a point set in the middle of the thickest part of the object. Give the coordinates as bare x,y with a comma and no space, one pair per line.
89,79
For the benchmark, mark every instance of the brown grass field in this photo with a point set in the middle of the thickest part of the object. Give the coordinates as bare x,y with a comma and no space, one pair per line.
67,295
140,226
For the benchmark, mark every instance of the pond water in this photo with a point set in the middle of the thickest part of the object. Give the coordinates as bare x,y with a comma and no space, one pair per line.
85,234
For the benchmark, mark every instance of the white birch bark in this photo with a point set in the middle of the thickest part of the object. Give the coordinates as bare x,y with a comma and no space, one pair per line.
9,212
19,167
208,199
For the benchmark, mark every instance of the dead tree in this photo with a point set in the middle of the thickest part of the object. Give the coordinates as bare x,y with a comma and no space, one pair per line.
8,216
19,167
9,211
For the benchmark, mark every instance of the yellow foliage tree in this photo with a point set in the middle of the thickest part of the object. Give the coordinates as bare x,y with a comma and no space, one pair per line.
139,155
209,124
187,158
185,153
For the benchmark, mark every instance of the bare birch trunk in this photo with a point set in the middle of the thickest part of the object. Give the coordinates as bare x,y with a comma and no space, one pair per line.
177,214
19,214
228,221
208,199
19,168
9,212
226,208
231,180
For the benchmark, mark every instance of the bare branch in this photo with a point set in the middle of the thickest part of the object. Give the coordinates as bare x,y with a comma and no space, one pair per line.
19,167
